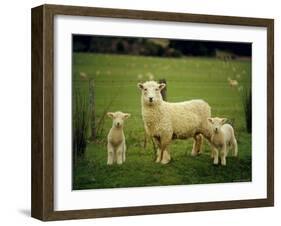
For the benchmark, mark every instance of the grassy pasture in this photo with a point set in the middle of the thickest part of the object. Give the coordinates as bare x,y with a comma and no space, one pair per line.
116,78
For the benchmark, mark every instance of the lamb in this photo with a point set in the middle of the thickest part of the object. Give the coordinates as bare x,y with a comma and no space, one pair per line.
116,143
165,121
222,138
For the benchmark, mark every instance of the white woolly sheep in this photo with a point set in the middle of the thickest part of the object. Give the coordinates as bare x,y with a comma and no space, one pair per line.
116,143
164,121
232,82
83,75
222,138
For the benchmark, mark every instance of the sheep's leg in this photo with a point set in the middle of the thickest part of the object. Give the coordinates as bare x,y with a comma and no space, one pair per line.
200,143
165,155
158,155
213,151
110,154
216,156
193,151
162,154
223,154
163,143
157,140
119,155
197,145
166,158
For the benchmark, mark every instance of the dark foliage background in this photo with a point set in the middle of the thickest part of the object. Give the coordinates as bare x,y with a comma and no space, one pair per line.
158,47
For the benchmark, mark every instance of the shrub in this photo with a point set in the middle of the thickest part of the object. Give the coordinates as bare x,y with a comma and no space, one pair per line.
79,125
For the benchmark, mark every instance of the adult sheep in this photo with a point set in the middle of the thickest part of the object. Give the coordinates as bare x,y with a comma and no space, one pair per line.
165,121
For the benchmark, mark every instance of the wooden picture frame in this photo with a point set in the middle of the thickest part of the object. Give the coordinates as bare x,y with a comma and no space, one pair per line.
42,203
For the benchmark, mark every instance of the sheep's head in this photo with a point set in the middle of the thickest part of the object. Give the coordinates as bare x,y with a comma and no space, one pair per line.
118,118
217,123
151,92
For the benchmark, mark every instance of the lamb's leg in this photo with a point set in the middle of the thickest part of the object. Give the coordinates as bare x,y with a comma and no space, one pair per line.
223,154
110,154
119,154
235,147
216,156
197,145
124,152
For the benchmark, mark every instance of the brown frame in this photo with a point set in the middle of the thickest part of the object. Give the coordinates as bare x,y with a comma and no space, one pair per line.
42,198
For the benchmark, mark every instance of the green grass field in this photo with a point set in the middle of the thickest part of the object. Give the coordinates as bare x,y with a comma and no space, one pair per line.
116,78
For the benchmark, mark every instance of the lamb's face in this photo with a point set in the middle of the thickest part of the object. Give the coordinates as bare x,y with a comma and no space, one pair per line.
151,92
118,118
217,123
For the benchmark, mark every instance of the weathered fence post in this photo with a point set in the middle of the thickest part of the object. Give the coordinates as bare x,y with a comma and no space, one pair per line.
92,109
164,91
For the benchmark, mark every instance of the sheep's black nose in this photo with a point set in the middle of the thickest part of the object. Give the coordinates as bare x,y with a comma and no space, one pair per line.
150,99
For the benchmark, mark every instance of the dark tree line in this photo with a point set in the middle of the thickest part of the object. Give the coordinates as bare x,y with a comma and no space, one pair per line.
157,47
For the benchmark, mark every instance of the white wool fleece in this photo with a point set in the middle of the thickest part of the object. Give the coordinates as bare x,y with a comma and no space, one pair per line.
166,121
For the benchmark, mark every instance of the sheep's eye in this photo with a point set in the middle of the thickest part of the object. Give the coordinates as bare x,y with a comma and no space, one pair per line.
156,89
145,89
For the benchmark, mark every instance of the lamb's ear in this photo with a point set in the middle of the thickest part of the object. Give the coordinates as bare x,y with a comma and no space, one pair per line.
140,85
210,120
126,115
223,120
110,114
162,86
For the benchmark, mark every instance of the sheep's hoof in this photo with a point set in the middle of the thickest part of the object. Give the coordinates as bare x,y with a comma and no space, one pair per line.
193,153
157,160
165,161
216,163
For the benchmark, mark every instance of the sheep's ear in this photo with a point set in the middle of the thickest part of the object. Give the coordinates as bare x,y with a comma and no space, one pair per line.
210,120
126,115
140,85
223,120
110,114
162,86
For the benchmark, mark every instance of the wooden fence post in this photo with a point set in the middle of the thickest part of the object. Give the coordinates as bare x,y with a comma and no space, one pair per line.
92,109
164,91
